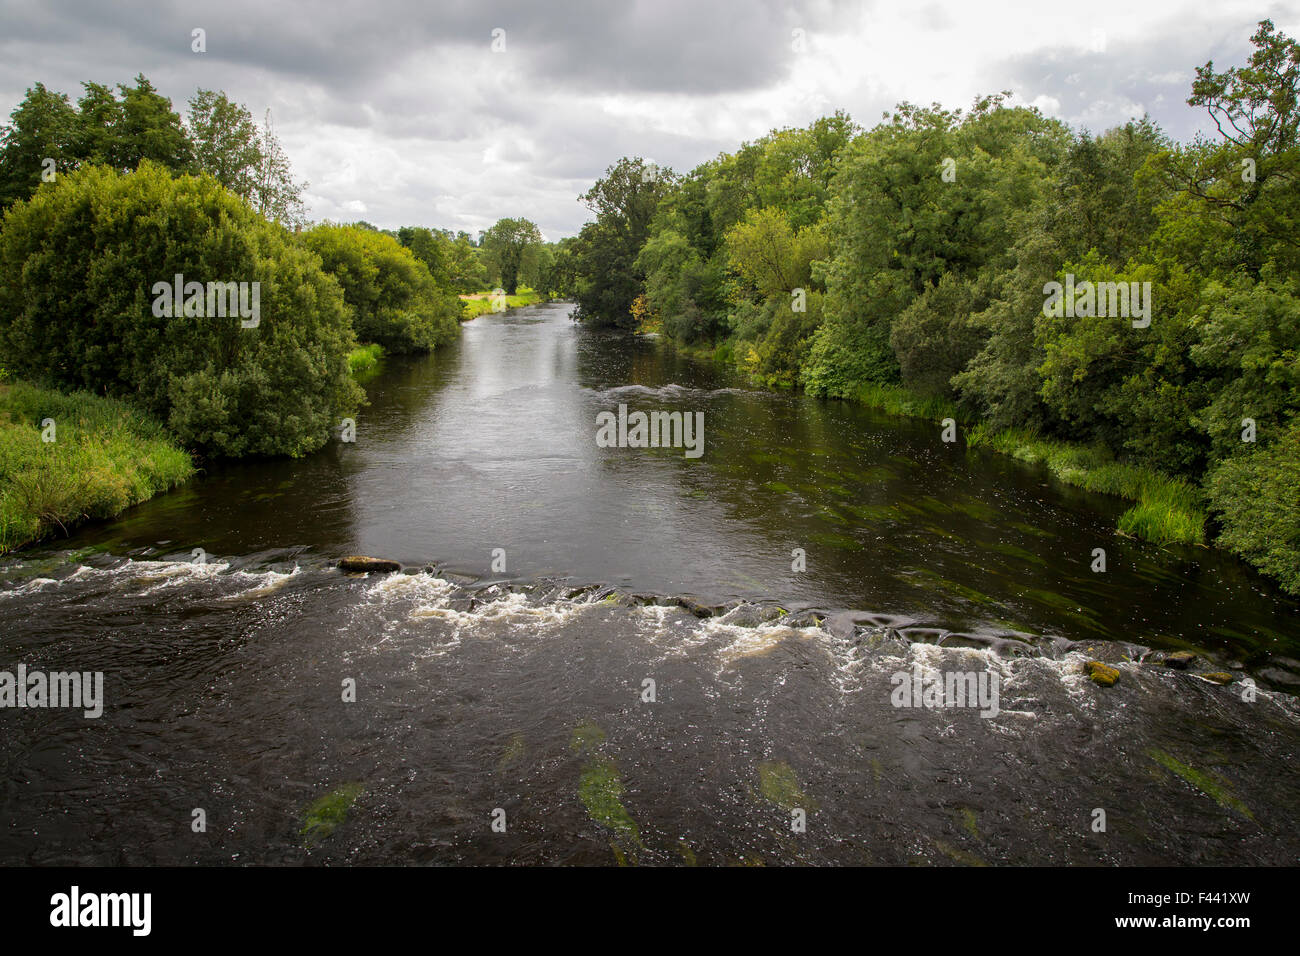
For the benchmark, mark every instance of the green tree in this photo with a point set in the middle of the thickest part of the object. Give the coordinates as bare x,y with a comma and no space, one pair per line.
43,126
624,201
123,132
392,298
506,246
227,142
81,264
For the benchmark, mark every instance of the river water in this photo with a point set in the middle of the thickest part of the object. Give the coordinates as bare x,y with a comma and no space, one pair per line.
569,709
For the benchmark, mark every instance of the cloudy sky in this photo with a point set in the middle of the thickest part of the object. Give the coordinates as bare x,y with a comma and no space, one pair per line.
402,112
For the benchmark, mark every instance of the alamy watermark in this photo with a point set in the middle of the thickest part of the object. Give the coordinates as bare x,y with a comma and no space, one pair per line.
655,430
35,689
75,909
212,300
947,689
1124,300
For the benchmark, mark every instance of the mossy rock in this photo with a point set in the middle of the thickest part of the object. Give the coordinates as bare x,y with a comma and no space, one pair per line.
1102,674
1179,659
1218,677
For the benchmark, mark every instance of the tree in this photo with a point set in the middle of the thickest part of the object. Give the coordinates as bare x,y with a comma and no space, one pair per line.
102,129
1247,182
80,308
151,129
624,201
1255,493
43,126
392,298
141,125
227,142
276,194
506,246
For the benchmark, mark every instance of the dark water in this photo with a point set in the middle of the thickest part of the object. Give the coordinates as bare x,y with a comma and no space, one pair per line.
522,691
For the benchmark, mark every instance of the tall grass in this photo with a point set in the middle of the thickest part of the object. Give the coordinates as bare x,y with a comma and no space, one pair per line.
364,358
105,457
1168,510
897,400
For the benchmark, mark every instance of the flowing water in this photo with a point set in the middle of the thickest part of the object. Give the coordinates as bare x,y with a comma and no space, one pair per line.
522,696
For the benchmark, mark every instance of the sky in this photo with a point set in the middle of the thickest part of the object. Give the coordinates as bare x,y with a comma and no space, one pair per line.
456,114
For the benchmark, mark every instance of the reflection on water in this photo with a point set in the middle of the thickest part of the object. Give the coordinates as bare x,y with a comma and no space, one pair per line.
523,690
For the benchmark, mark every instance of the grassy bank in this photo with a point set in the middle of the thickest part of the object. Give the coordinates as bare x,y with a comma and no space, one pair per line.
480,303
104,457
364,358
1166,510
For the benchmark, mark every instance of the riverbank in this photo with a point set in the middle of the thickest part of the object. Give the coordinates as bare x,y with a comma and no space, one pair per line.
364,357
1166,510
480,303
70,458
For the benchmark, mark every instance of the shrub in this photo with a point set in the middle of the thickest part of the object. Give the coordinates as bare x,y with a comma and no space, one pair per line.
1256,496
78,265
393,299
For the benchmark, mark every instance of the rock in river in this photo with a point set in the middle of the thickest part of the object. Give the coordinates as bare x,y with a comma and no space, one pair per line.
361,564
1103,674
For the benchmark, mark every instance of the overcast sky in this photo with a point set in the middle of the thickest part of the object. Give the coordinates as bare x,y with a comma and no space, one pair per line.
402,113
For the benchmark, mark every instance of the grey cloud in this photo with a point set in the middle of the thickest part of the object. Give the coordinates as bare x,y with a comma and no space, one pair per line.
1101,89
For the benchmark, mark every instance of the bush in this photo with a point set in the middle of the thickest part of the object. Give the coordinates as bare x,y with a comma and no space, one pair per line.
933,337
78,266
1256,497
393,299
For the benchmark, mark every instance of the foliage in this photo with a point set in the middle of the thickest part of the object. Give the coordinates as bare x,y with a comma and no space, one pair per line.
390,294
926,247
79,263
1257,495
124,128
608,277
510,250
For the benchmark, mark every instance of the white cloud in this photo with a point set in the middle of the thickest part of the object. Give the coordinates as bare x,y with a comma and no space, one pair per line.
400,111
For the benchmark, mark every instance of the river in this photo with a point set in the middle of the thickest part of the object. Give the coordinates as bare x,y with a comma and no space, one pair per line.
530,689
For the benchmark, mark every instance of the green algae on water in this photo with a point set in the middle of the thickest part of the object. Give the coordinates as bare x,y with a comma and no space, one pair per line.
1210,784
600,788
779,784
327,813
586,736
514,751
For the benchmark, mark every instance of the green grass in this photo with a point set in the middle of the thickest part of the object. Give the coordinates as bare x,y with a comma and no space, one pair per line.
897,400
105,457
481,302
364,357
1168,510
